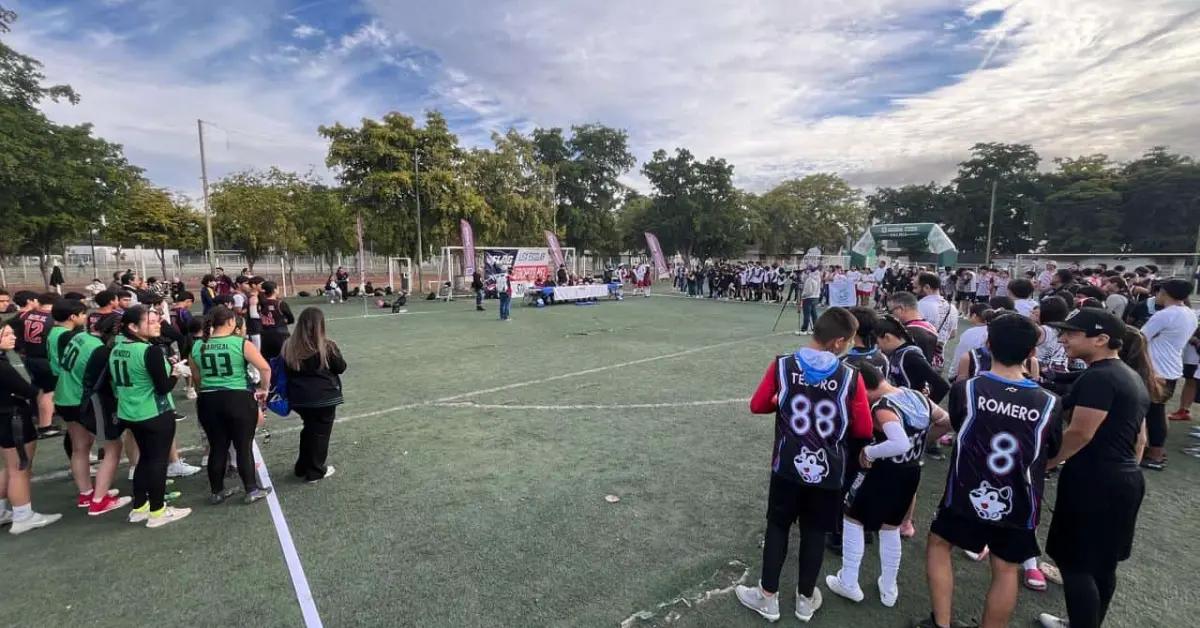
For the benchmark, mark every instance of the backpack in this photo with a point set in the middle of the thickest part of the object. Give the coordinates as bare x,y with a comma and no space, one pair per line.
277,399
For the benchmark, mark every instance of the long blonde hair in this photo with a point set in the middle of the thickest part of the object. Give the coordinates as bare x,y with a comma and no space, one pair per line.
307,339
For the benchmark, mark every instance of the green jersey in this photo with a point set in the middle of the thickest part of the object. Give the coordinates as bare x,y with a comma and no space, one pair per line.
52,352
222,363
136,398
72,365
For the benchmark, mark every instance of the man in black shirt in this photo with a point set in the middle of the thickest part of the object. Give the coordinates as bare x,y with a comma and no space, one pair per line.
903,305
1101,487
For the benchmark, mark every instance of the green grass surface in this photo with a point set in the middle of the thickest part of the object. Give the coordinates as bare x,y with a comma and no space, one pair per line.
448,514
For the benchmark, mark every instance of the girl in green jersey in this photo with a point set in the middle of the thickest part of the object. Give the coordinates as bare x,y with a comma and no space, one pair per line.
227,409
142,381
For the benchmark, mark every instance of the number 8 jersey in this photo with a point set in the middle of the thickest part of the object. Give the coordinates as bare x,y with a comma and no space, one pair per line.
811,421
997,474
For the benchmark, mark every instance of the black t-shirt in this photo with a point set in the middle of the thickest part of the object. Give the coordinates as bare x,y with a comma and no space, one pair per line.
1113,387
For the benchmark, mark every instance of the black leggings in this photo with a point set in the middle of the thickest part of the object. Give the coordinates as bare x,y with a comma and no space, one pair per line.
154,438
229,417
1156,425
775,549
1088,595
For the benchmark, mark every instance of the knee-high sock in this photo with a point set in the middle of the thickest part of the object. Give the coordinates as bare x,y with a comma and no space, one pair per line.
853,545
1029,564
890,551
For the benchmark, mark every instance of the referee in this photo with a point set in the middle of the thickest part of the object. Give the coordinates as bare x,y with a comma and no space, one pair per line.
1101,486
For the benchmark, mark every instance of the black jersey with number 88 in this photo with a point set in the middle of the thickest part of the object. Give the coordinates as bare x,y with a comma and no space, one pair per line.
811,423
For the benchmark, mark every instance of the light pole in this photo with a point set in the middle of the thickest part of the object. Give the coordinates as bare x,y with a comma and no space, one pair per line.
212,254
417,186
987,255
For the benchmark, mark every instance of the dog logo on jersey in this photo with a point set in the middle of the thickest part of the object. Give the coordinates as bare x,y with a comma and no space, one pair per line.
991,503
811,465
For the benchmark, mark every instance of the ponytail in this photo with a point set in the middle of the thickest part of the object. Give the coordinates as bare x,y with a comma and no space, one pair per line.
133,316
216,317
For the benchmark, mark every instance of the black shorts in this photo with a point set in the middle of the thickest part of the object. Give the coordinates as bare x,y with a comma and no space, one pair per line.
964,296
40,374
1095,514
1189,371
982,298
69,414
882,497
17,429
101,411
1011,545
791,502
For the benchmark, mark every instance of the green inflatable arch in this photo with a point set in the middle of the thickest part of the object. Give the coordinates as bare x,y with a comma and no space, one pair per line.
915,235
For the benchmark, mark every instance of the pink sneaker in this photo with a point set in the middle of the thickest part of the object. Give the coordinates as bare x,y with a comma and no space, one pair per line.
946,440
1034,580
907,530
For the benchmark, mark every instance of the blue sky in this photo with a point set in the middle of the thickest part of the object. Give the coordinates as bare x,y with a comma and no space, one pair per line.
882,91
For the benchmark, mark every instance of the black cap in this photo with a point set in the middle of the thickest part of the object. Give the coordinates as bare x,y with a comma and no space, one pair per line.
1092,322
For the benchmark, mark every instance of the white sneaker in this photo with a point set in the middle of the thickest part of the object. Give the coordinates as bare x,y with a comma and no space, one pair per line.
839,587
34,521
204,461
806,607
5,517
191,393
753,599
1050,621
799,333
168,515
181,469
329,470
888,597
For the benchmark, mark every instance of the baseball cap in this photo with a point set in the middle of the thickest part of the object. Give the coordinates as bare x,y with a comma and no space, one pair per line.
1092,322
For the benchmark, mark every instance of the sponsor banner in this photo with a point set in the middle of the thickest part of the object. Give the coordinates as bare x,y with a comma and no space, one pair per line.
528,266
841,292
660,263
468,244
555,249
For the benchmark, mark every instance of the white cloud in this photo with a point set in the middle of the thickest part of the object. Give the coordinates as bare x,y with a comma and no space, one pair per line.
304,31
749,80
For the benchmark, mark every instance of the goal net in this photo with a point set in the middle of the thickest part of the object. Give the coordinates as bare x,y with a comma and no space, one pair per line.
1182,265
529,265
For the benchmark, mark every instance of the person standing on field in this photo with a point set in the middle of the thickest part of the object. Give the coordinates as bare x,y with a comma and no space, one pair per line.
314,366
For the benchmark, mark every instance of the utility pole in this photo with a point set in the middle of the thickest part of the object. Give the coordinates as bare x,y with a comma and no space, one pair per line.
987,256
417,185
212,250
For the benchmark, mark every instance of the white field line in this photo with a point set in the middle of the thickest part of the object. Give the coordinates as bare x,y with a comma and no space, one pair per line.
448,402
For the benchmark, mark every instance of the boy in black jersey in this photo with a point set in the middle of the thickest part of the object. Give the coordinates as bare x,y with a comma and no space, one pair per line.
883,491
818,402
907,366
32,338
994,488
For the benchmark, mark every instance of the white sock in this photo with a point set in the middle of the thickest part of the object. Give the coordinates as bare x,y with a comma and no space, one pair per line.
21,513
853,546
4,505
890,551
1029,564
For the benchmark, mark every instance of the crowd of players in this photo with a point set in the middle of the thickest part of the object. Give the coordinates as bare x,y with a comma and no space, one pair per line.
1065,383
108,365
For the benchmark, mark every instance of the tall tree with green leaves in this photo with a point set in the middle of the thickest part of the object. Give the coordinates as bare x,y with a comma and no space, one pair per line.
56,181
695,209
156,219
1161,203
1014,170
515,188
256,212
586,169
819,210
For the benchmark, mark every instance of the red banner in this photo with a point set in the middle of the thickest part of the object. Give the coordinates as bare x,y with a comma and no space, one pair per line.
555,249
468,243
660,263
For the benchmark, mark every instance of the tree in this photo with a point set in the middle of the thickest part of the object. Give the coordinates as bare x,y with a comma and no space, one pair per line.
1014,170
586,170
1082,209
55,180
156,219
695,209
325,224
819,210
384,166
1161,202
256,212
514,188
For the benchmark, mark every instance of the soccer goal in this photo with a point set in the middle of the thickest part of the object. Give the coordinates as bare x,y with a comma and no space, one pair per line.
1182,265
529,265
400,268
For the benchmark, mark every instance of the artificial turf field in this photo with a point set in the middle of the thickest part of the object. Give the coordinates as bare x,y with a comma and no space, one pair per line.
473,459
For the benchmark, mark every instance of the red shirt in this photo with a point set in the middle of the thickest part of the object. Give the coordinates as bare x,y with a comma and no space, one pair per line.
765,401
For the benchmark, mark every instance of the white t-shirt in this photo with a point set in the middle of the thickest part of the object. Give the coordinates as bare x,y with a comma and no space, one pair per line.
239,300
940,314
640,272
973,338
1025,307
1167,333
